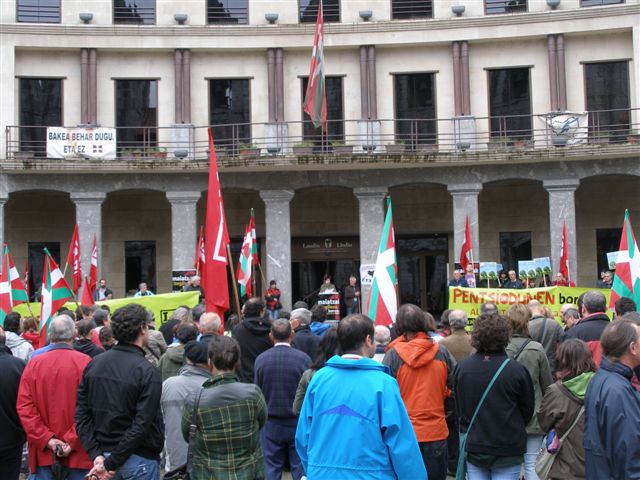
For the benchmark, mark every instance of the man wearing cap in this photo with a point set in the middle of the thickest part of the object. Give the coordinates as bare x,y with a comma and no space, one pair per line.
174,392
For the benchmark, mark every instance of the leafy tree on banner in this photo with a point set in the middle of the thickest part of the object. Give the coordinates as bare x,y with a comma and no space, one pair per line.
315,98
55,293
383,301
626,282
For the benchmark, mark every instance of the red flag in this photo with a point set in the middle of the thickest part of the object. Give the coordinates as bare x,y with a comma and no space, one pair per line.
315,98
73,259
87,294
466,252
564,255
215,282
93,271
198,263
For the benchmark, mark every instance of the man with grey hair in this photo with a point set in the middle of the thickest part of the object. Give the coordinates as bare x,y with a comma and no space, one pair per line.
304,340
458,343
545,331
594,321
210,323
49,424
381,338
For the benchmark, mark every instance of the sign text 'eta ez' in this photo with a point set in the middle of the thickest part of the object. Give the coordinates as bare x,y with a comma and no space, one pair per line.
95,143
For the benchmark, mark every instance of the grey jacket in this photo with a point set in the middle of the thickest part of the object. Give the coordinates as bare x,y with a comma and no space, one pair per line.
174,392
549,333
20,348
156,347
534,359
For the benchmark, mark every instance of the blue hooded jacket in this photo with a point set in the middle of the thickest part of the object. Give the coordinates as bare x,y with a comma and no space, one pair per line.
354,425
612,415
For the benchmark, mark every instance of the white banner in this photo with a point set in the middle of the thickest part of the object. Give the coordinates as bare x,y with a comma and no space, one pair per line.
366,274
572,127
95,143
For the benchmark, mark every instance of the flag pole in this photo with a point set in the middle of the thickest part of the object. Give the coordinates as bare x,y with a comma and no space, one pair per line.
264,280
236,297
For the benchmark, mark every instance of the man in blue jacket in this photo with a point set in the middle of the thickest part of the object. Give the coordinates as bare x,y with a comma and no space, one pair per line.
353,423
612,407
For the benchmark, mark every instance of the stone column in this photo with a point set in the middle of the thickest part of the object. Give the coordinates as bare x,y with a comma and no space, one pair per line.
465,204
371,216
89,219
278,233
3,201
183,228
562,209
634,75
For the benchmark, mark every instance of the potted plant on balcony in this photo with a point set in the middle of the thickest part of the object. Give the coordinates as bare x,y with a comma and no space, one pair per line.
134,153
601,137
426,148
339,148
633,138
397,147
159,153
249,149
303,148
498,143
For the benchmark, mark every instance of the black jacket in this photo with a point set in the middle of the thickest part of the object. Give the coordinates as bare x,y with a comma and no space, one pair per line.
11,369
118,407
87,347
253,336
589,329
167,330
305,341
499,428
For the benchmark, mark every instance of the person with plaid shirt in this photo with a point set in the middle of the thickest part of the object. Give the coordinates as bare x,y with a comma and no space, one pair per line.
229,418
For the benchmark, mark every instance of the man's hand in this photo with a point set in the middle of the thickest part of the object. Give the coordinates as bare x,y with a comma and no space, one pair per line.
66,450
99,471
53,443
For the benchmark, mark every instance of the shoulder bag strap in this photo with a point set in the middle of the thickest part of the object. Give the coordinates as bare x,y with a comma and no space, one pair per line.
575,422
192,430
486,391
521,349
544,326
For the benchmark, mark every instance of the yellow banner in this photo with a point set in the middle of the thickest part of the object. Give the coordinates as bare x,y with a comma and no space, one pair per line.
162,305
470,299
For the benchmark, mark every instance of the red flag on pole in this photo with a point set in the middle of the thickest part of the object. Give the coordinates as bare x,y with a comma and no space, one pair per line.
315,98
93,271
215,282
466,252
564,255
73,259
87,294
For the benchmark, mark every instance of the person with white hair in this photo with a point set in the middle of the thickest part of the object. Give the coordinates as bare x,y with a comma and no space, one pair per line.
304,339
381,337
49,424
459,342
210,323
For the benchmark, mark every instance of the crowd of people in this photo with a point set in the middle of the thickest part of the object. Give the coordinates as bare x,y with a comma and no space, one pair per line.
108,397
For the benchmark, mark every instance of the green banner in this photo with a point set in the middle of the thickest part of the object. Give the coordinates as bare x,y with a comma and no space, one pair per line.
162,305
470,299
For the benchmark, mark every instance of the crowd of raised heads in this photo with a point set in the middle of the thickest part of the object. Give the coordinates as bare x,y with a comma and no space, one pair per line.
514,394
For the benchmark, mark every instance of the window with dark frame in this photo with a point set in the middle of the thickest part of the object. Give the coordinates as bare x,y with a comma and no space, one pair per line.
35,265
607,100
136,116
40,107
230,113
492,7
407,9
514,247
510,104
607,240
38,11
233,12
415,109
594,3
335,115
308,11
138,12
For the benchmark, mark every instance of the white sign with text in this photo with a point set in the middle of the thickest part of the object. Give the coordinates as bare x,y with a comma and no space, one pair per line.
95,143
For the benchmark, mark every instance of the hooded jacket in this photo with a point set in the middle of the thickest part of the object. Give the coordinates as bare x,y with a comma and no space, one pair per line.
20,347
354,425
612,415
253,336
87,347
589,329
319,328
560,406
171,362
424,372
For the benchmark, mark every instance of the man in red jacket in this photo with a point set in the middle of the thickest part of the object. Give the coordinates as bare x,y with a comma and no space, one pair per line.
47,403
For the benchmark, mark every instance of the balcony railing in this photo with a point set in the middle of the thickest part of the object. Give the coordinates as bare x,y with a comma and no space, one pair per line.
558,133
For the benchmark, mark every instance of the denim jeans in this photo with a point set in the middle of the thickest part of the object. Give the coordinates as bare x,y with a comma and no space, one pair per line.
138,468
434,456
478,473
278,446
44,473
534,443
273,314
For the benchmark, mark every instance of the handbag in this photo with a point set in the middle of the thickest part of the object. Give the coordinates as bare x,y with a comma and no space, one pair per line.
461,472
183,471
545,458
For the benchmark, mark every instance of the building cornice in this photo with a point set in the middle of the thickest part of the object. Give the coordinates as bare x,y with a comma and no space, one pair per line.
552,18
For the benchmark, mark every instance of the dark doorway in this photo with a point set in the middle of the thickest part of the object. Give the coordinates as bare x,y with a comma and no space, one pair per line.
140,265
307,277
35,255
607,240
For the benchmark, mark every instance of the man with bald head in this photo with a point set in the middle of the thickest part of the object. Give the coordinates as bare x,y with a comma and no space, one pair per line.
277,372
545,331
210,323
49,424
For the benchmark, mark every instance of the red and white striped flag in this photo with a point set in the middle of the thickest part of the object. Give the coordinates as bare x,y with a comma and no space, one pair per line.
315,98
466,252
55,293
244,264
12,290
73,259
